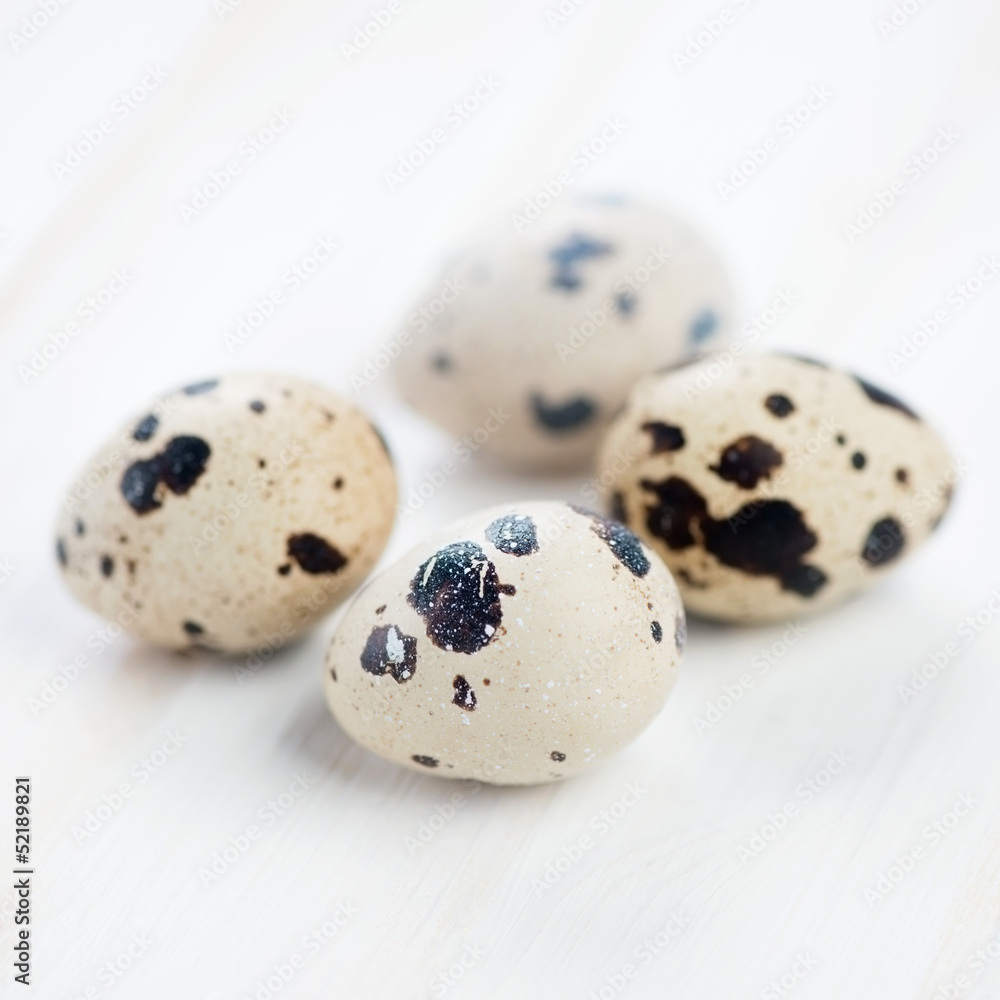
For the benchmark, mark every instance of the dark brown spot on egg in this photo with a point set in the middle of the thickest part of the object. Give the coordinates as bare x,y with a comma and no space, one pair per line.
513,534
678,509
107,565
657,631
389,650
465,697
178,467
200,387
61,552
624,545
315,554
557,756
779,404
885,542
883,398
284,569
146,428
762,538
858,460
666,437
193,628
257,406
457,593
746,461
425,761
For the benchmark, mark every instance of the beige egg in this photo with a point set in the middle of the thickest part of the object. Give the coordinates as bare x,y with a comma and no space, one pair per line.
530,340
773,485
523,644
233,513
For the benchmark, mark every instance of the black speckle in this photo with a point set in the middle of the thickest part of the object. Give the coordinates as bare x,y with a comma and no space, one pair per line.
883,398
130,564
768,538
618,507
746,461
182,462
441,363
803,580
626,546
465,697
680,633
199,387
763,538
557,756
315,554
513,534
61,552
486,681
261,463
380,609
665,437
193,628
678,508
858,460
508,588
567,257
657,631
338,483
107,565
567,417
178,467
457,593
285,569
146,428
902,476
625,302
139,484
426,761
779,405
885,542
841,440
703,325
80,527
333,673
388,649
257,406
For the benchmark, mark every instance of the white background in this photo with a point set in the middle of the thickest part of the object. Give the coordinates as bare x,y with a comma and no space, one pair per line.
344,842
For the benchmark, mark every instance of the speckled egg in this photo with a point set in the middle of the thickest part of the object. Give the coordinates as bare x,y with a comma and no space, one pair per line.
524,644
773,485
530,340
233,513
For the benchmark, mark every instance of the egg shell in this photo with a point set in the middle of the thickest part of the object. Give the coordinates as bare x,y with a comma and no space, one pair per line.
523,644
232,514
530,340
773,485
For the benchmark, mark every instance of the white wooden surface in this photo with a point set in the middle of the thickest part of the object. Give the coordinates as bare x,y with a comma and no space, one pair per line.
344,849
